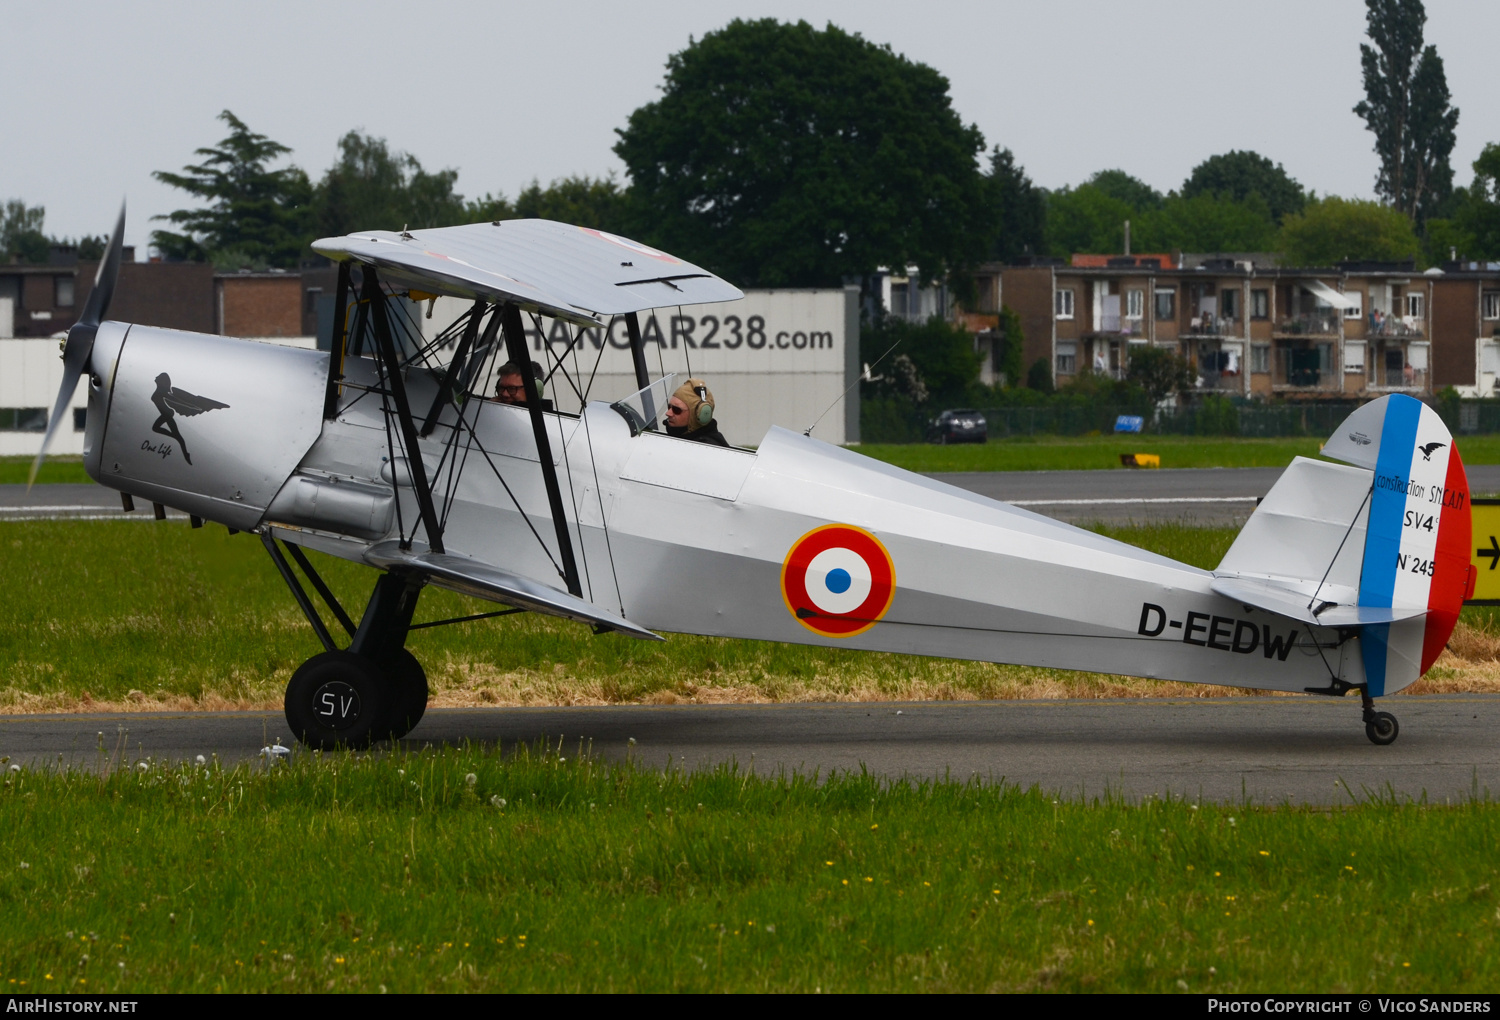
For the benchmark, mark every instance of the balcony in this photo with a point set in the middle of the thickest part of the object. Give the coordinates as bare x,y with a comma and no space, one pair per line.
1320,323
1398,366
1400,329
1109,324
1209,324
1307,368
1218,370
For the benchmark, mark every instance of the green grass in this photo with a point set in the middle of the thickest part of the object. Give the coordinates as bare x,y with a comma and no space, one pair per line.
56,470
361,874
1056,453
110,608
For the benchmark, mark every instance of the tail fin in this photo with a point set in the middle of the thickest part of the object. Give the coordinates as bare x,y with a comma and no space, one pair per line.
1383,545
1417,543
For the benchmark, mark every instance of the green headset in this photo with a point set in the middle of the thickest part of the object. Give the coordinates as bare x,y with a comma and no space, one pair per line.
705,412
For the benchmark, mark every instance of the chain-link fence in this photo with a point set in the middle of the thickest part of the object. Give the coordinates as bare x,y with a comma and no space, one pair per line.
892,421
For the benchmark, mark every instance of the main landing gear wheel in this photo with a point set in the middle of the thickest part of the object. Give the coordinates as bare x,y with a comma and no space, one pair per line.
1382,728
407,695
337,699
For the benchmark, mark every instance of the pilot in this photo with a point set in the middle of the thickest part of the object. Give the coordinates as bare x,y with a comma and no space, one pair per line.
511,389
690,414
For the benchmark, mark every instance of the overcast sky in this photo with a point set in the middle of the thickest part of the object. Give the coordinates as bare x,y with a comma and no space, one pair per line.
104,93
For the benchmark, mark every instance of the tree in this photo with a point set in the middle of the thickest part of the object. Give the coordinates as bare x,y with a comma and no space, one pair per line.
1242,174
1473,229
1406,107
1012,347
1334,229
372,188
21,237
255,213
1206,222
1158,371
781,155
1085,219
1088,219
1122,187
1018,210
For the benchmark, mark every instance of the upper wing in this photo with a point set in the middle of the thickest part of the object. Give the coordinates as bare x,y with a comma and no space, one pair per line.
189,404
572,273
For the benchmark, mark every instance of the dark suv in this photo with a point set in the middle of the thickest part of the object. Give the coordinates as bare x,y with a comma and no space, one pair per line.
958,426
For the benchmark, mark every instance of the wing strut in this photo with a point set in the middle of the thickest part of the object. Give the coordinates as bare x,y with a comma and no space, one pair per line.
515,343
336,344
376,300
642,373
455,371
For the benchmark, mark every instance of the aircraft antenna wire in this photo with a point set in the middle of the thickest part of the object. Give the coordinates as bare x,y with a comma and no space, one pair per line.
478,445
856,382
609,550
594,372
557,361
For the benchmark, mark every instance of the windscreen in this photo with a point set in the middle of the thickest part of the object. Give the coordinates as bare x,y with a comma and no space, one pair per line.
641,408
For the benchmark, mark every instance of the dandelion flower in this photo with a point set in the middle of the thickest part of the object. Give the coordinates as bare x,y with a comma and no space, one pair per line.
829,863
1091,922
201,760
846,881
470,780
498,801
1265,853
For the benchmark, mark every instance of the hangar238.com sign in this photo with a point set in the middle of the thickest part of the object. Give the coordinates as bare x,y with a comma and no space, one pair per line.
804,330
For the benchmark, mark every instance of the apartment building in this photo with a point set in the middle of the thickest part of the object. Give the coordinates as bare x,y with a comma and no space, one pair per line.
1252,329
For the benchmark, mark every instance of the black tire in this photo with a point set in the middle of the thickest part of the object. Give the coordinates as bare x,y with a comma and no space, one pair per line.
406,687
1382,728
336,699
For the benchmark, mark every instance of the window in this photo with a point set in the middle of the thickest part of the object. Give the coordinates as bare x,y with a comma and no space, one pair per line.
1229,304
1354,307
310,300
1260,304
80,418
1354,356
1067,355
1414,306
1166,305
1492,304
23,419
1260,358
62,291
1063,305
1135,304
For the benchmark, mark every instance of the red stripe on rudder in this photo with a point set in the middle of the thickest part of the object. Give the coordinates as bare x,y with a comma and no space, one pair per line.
1451,576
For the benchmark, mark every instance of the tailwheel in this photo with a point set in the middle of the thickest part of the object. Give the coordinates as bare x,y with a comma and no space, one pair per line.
337,699
1381,728
406,689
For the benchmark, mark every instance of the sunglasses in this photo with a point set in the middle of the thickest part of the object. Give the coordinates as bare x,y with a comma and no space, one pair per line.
676,409
512,389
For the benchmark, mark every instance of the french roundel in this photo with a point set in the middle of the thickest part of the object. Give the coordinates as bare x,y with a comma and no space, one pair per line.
838,580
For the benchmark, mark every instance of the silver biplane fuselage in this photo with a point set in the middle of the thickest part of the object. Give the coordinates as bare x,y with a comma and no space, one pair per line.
798,541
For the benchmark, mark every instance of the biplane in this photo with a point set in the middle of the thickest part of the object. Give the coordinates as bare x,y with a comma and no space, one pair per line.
385,451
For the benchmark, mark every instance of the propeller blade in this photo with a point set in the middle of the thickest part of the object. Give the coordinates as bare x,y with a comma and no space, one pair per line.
97,305
80,342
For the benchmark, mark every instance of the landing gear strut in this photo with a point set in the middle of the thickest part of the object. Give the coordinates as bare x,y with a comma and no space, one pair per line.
1381,727
373,690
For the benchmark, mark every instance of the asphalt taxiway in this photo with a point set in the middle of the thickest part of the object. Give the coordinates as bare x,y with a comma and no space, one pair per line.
1302,750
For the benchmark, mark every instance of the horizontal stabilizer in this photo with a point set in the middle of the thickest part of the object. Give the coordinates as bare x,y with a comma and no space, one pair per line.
470,577
1287,601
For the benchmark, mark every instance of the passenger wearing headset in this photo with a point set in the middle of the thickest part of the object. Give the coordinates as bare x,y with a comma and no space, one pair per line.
511,389
690,414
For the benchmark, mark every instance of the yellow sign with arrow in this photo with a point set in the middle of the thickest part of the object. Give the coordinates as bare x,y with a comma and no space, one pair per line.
1485,555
